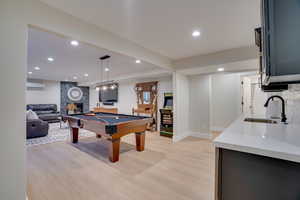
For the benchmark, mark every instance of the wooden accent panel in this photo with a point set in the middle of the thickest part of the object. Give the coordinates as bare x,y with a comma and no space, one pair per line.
106,110
151,108
144,109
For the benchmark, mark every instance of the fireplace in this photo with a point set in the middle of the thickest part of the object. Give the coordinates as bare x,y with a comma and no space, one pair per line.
82,105
74,108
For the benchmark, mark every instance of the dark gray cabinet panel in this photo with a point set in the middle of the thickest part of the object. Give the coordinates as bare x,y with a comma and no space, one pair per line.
281,33
251,177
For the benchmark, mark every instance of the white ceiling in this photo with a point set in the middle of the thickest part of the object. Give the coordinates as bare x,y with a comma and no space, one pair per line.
232,67
165,26
73,61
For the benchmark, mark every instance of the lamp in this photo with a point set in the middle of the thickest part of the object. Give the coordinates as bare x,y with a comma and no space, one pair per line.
105,69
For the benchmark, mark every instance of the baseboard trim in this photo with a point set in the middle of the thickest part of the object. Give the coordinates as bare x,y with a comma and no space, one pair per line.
217,128
201,135
178,138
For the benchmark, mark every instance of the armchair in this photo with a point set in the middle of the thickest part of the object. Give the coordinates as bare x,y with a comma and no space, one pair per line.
36,128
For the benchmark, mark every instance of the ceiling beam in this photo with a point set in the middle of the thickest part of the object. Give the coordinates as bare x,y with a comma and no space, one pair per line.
218,58
240,66
136,76
50,19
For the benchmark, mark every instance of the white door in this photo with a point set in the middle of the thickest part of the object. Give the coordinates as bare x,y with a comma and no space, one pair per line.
253,98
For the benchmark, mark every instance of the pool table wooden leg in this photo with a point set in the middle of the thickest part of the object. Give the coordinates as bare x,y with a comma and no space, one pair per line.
74,134
140,141
114,150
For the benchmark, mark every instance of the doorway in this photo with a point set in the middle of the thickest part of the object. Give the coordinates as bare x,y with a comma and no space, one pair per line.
253,98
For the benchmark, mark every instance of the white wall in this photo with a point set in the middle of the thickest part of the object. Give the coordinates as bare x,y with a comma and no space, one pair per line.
127,96
50,94
225,100
181,106
292,100
254,99
215,102
246,96
206,103
199,105
13,56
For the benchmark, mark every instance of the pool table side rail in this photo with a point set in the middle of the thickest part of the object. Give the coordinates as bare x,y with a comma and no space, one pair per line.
113,130
124,115
134,126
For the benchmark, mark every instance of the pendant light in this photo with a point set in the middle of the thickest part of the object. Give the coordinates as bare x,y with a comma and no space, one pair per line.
105,69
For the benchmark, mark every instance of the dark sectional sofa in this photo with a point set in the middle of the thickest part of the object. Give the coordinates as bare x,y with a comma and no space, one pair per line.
47,113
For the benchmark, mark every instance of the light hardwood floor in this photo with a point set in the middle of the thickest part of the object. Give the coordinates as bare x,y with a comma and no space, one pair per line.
164,171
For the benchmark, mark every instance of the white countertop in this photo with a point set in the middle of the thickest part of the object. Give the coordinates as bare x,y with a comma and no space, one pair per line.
272,140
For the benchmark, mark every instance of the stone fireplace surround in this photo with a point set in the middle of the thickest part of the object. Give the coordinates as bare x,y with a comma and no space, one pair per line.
64,99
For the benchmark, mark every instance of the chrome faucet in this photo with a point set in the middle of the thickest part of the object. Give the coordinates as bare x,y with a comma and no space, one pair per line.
283,116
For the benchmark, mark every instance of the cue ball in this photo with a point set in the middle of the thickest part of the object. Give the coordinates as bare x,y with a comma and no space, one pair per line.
117,117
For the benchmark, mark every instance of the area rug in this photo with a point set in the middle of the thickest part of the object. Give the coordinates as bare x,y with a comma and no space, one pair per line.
57,134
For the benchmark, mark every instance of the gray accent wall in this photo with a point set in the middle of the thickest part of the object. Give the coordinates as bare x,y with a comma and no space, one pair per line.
64,100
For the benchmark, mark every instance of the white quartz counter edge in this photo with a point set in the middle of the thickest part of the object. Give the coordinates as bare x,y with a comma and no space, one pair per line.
271,140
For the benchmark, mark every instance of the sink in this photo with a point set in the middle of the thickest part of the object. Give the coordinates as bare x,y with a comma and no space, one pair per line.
260,120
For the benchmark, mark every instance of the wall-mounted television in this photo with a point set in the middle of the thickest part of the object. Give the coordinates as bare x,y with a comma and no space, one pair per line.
109,94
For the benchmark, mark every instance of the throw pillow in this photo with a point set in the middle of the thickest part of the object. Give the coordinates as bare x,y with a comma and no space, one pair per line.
31,115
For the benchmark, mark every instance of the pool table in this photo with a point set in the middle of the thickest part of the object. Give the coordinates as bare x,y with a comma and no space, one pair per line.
111,127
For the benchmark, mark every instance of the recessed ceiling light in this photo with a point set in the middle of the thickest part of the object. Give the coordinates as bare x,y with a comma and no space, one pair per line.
75,77
106,69
37,68
97,88
86,75
138,61
50,59
29,72
74,43
220,69
196,34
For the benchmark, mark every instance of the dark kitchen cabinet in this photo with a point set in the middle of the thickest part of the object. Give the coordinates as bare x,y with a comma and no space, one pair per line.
280,41
245,176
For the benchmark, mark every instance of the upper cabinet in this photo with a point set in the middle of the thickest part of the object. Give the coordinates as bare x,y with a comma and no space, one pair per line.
280,42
